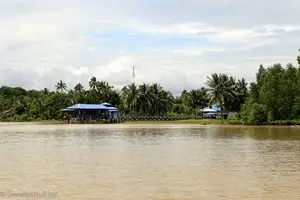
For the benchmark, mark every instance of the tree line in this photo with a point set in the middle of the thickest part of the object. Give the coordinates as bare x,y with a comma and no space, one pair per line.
275,95
145,99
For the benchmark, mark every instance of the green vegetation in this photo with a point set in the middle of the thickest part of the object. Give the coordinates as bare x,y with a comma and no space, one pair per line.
275,96
18,104
273,99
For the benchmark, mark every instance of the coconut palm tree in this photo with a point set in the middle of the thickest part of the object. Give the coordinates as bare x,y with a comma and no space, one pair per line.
241,92
242,87
144,98
104,90
114,98
78,94
93,83
203,98
46,91
166,102
103,86
79,88
197,99
61,86
220,89
130,97
157,101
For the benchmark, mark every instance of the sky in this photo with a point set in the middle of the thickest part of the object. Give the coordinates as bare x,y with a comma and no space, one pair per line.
177,43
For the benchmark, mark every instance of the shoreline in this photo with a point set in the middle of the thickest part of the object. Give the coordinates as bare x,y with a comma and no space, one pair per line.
200,122
205,123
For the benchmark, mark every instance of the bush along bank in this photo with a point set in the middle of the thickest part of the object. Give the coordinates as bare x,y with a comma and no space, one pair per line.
269,123
274,99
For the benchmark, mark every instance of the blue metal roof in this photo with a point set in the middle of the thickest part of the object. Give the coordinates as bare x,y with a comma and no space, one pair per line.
90,107
216,108
212,108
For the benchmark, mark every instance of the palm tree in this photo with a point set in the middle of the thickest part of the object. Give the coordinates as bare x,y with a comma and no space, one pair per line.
156,93
130,97
242,87
78,94
241,92
203,98
93,83
197,99
220,89
103,86
144,98
230,103
104,90
79,88
61,86
46,91
166,102
114,98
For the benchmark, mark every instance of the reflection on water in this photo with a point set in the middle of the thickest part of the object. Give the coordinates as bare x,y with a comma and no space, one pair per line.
151,162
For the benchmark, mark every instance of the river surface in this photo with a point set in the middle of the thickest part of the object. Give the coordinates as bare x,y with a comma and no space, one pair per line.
157,162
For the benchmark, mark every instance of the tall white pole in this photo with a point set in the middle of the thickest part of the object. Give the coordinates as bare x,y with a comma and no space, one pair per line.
133,74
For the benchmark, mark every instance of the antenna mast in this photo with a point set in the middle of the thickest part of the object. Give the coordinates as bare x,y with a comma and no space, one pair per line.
133,74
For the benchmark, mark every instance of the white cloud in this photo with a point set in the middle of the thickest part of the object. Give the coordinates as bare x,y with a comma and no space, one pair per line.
43,41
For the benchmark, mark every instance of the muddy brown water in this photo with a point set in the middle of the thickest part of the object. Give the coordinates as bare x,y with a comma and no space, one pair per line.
136,162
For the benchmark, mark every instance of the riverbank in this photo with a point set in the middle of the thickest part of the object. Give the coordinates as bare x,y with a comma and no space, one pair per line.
218,122
189,121
232,122
32,122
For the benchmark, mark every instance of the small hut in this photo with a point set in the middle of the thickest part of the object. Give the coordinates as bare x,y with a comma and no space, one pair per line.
85,113
211,112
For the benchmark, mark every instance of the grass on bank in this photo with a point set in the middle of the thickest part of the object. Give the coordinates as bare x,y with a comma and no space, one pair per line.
188,121
218,122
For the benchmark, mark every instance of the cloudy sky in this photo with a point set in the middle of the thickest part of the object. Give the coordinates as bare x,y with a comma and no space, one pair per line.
174,42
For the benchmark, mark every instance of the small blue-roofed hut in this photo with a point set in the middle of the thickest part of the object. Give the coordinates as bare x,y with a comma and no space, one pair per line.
211,112
91,112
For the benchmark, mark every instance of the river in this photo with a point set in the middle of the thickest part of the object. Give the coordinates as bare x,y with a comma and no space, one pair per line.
155,162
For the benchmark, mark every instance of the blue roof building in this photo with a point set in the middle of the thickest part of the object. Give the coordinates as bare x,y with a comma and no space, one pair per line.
213,108
216,108
211,112
91,107
92,112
